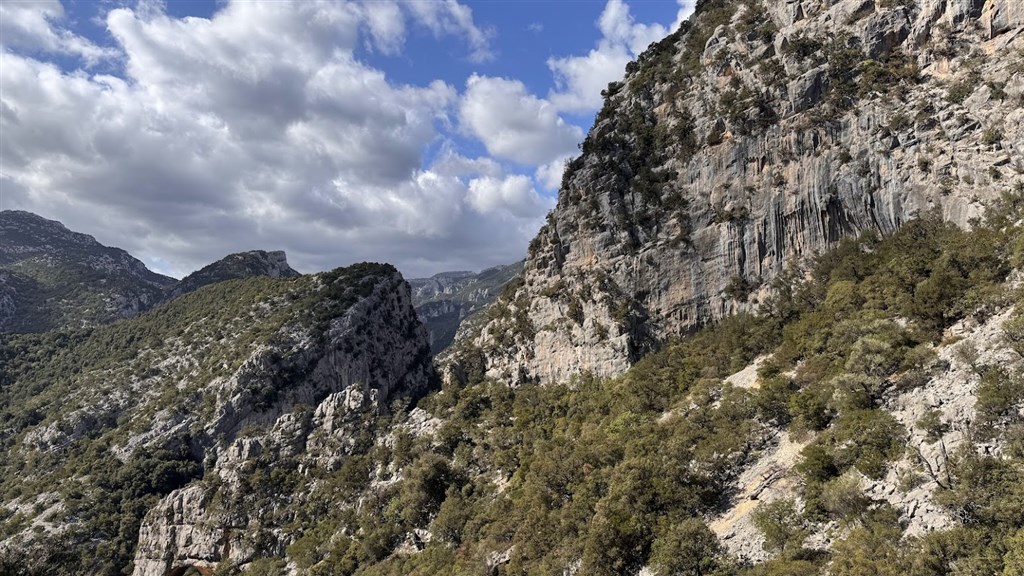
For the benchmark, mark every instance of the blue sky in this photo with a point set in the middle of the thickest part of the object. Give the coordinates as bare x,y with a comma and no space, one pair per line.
429,134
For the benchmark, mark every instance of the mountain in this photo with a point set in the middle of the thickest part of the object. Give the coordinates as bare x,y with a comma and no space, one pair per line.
234,266
757,134
870,420
51,277
210,407
775,326
444,301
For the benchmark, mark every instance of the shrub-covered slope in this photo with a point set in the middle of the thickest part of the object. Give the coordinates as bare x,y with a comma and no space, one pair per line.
869,419
102,425
51,277
890,370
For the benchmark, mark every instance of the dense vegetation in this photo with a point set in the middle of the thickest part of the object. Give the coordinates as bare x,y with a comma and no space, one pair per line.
605,475
612,475
69,400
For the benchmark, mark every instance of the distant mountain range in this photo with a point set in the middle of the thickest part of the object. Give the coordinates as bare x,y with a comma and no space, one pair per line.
444,301
55,278
52,277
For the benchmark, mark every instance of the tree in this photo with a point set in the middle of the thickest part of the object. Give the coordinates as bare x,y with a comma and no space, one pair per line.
687,549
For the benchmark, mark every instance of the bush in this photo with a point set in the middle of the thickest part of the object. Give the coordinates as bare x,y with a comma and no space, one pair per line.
782,526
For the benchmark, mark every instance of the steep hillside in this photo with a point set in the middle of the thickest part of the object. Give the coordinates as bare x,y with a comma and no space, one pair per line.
761,132
213,407
51,277
235,266
445,300
868,420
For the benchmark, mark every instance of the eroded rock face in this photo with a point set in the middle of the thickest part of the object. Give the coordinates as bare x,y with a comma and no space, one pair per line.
373,354
803,124
241,265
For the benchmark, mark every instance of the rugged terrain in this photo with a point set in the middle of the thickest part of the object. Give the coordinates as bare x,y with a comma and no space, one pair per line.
444,301
51,277
759,133
777,315
188,408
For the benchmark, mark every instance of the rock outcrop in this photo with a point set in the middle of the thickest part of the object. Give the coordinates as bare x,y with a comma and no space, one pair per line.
235,266
759,134
374,353
218,389
910,485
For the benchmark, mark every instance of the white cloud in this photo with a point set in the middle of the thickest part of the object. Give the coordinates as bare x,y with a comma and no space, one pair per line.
256,128
514,124
259,128
386,24
450,17
514,194
34,25
579,80
550,175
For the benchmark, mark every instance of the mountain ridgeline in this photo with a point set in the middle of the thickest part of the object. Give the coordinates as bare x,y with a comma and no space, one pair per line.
52,278
760,132
774,327
447,300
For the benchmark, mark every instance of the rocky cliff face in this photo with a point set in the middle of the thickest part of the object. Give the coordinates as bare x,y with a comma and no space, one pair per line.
241,265
760,133
186,411
445,300
374,353
51,277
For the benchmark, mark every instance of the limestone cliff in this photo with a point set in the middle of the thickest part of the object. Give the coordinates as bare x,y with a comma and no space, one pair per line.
761,132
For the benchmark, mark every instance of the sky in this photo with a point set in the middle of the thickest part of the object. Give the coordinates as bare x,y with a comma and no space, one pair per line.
428,134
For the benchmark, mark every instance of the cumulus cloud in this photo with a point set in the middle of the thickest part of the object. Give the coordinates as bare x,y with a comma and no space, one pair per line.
256,128
450,17
35,26
550,175
514,194
514,124
579,80
259,127
386,25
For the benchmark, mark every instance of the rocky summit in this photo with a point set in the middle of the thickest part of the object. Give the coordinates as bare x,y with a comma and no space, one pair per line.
241,265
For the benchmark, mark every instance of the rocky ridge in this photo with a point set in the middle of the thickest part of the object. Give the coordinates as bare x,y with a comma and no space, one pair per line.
758,134
52,277
240,265
230,380
445,300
